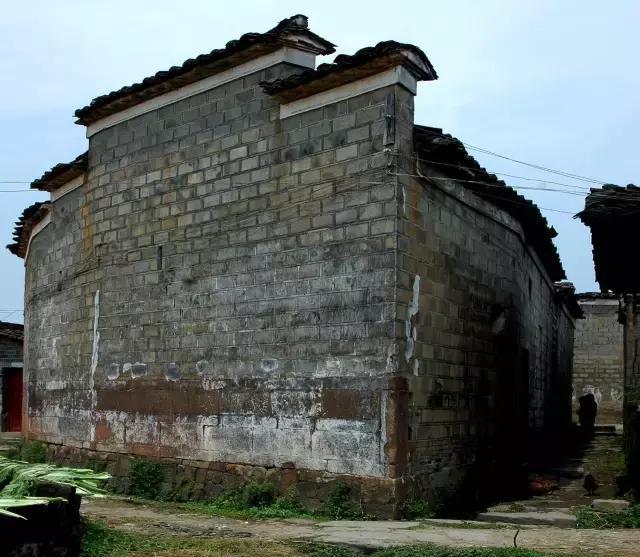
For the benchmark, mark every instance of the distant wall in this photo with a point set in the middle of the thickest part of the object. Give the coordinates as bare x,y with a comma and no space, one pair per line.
599,356
10,357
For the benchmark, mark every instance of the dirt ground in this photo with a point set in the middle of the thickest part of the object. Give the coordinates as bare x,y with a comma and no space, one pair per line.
128,516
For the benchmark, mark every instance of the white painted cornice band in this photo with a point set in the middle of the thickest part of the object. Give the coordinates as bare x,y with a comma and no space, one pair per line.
286,54
39,227
67,188
397,74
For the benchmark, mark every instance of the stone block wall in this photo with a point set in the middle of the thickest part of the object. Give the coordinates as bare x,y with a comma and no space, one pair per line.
487,349
599,356
222,288
242,296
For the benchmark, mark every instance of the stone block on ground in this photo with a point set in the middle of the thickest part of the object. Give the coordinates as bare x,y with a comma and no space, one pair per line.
554,518
610,505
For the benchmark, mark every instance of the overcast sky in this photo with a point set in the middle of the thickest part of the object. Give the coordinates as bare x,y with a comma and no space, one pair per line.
550,82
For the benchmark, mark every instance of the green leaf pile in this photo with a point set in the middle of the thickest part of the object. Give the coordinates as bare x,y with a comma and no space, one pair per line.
18,479
9,503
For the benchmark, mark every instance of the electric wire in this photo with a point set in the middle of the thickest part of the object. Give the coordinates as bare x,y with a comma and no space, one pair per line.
493,153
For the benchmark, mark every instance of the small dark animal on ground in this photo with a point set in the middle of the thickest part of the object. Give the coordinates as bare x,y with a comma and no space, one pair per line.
590,484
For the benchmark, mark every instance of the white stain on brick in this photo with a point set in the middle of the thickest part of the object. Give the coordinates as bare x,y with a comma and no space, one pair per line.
94,360
411,329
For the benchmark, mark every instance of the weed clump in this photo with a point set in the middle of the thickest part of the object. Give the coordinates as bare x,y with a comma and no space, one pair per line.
339,505
417,508
145,478
627,518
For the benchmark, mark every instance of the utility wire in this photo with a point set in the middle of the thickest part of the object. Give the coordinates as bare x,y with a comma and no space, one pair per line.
529,179
531,204
532,165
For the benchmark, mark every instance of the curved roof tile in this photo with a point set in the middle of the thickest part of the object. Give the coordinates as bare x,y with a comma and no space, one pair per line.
291,31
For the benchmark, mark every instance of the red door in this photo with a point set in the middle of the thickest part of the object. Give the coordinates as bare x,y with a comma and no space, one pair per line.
12,398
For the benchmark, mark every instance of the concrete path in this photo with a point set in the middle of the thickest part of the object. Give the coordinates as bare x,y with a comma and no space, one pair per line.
150,519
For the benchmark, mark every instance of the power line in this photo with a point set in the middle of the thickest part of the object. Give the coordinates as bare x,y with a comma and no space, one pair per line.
529,179
531,204
532,165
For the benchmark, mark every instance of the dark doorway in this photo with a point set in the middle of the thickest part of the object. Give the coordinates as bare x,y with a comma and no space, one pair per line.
12,399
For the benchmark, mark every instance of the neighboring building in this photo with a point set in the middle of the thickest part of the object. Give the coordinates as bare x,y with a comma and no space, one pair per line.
612,214
11,335
262,268
598,355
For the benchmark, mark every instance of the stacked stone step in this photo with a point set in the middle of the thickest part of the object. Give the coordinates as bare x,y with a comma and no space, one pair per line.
9,443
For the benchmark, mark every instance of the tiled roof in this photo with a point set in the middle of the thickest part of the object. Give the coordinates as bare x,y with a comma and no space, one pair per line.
612,213
597,296
292,31
22,232
448,155
344,69
61,173
11,330
566,292
610,201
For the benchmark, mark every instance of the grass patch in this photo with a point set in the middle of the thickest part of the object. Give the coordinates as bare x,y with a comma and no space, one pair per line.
417,508
628,518
101,541
339,505
256,501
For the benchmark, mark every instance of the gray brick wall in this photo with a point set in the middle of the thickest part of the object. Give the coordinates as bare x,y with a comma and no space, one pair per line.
485,306
253,285
599,356
245,268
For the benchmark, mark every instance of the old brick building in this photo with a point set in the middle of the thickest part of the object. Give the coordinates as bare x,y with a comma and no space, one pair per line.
612,212
261,267
598,354
11,376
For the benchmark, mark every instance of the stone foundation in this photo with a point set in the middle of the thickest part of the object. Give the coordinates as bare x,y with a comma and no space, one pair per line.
184,480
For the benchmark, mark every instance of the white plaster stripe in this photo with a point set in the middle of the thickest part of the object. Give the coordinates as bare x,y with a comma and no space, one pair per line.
397,74
94,363
285,54
39,227
68,187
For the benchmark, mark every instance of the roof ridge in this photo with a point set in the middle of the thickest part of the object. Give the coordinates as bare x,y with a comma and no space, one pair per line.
61,173
195,69
361,57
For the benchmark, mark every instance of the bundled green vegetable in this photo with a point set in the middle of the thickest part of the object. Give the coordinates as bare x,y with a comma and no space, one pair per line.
9,503
18,478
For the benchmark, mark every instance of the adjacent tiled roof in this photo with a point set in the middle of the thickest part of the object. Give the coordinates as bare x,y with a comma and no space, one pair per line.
365,62
11,330
597,296
566,292
61,173
22,232
291,31
610,201
448,155
613,214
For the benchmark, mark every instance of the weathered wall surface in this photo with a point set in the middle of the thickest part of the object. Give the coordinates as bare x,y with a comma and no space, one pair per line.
599,356
222,288
490,365
10,357
240,295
